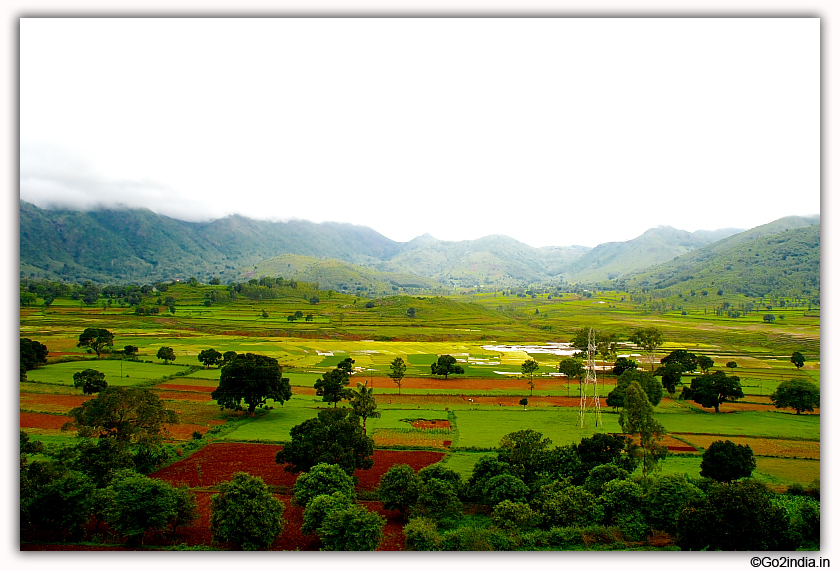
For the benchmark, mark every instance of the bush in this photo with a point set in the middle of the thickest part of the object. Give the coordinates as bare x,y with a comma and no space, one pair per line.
319,507
246,513
421,534
485,469
441,473
571,506
725,461
353,528
566,537
138,504
509,515
506,487
665,497
437,500
601,475
399,488
467,538
323,479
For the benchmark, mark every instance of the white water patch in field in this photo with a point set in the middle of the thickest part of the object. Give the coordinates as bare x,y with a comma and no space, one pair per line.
324,353
508,373
558,348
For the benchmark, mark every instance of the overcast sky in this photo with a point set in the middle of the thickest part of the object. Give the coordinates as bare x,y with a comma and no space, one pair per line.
551,131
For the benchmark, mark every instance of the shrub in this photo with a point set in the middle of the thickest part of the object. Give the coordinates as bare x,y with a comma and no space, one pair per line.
441,473
725,461
138,503
319,507
601,475
399,488
438,500
566,537
323,479
665,497
515,516
467,538
421,534
353,528
485,469
246,513
506,487
571,506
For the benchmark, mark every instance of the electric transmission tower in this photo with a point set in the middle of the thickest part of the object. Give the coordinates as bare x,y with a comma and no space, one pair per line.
590,380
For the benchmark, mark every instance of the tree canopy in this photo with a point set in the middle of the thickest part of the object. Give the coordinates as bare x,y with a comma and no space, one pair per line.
797,360
332,437
648,339
725,461
254,379
332,386
96,339
363,404
246,513
623,363
126,414
572,368
90,381
712,390
166,353
209,357
637,417
649,383
801,395
529,367
397,372
445,366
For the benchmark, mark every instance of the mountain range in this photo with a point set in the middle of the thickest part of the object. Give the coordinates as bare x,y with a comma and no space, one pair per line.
137,245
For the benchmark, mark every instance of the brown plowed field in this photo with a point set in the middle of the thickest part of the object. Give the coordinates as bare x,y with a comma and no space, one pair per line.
746,407
218,462
762,446
58,403
179,395
42,421
185,388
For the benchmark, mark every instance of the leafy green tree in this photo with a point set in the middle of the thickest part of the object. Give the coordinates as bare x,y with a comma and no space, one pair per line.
90,381
528,368
438,500
601,449
623,501
740,516
687,361
515,516
622,364
801,395
440,472
649,383
320,506
228,356
572,368
485,469
332,386
246,513
99,460
131,351
399,488
600,475
445,366
665,497
209,357
637,418
354,528
61,504
166,353
332,437
725,461
421,534
648,339
671,375
797,360
527,453
96,340
732,364
323,479
506,487
126,414
524,403
32,355
705,363
769,318
397,372
254,379
568,506
363,404
712,390
138,504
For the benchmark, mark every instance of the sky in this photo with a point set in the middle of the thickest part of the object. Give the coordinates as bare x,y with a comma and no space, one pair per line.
551,131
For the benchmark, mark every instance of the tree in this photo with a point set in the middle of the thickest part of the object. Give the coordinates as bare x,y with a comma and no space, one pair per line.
648,339
126,414
506,487
740,516
209,357
712,390
90,381
253,378
96,340
399,488
636,418
320,506
332,385
687,361
524,403
166,353
515,516
572,368
397,372
797,360
725,461
228,356
323,479
671,376
705,363
732,364
137,504
32,354
445,366
665,497
354,528
622,364
529,367
61,503
799,394
411,312
437,500
332,437
649,383
131,351
526,451
363,404
246,513
769,318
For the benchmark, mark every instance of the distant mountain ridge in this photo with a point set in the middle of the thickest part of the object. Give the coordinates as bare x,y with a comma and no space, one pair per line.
120,246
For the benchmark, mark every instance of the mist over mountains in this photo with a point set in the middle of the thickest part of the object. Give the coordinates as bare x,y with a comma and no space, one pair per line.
137,245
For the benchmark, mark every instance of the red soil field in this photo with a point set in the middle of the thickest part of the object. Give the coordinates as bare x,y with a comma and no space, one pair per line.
185,388
42,421
218,462
55,402
177,395
430,424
